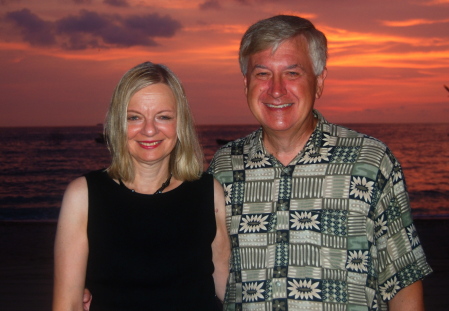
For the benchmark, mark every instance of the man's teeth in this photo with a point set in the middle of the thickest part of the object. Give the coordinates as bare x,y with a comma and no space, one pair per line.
278,106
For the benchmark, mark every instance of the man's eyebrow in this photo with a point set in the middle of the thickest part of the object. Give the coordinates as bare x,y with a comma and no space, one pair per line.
293,66
260,67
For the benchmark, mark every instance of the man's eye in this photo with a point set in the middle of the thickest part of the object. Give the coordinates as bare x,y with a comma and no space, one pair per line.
263,75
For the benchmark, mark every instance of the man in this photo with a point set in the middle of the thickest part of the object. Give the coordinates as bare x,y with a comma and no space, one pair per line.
318,215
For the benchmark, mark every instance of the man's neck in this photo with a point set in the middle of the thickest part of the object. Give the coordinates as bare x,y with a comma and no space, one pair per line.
284,145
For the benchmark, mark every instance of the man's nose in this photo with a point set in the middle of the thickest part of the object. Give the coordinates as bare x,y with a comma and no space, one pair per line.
277,87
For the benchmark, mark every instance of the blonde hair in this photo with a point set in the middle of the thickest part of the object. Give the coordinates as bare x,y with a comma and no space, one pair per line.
186,159
271,32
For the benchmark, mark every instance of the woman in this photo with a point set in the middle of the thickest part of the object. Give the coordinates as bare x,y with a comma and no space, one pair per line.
147,233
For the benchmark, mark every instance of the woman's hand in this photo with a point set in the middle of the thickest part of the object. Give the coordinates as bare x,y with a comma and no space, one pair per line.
87,299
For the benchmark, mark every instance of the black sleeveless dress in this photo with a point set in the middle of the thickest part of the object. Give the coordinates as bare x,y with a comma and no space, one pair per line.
150,252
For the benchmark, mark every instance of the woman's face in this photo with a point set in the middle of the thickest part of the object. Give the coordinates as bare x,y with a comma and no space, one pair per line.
151,119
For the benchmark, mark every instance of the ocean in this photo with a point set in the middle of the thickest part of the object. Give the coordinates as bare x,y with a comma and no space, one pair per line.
37,163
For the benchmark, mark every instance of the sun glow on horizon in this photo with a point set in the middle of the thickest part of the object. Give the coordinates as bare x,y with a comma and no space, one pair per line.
74,53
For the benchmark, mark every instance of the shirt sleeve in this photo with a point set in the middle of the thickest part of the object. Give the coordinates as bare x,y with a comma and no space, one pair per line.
400,256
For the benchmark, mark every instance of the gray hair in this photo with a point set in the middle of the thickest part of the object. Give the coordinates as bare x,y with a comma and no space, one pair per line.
271,32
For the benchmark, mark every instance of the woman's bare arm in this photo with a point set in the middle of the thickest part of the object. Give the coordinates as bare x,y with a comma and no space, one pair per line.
71,248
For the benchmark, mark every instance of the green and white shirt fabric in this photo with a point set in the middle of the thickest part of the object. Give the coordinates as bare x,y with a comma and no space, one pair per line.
331,231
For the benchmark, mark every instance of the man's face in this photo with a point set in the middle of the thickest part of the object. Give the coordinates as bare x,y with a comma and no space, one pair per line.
281,87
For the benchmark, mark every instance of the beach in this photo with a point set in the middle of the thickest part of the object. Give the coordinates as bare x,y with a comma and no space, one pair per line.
26,264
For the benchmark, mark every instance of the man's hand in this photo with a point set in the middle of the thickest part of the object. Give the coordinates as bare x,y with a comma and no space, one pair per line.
87,299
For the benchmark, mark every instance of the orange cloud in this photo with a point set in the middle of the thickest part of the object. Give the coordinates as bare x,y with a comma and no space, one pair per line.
172,4
342,37
310,16
218,28
372,67
355,49
436,2
419,60
414,22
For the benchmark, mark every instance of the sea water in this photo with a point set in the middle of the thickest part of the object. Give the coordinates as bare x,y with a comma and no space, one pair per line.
37,163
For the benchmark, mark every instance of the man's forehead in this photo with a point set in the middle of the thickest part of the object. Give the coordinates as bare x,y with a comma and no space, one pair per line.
272,47
289,53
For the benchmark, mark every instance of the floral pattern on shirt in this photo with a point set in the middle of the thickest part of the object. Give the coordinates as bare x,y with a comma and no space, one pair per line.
320,231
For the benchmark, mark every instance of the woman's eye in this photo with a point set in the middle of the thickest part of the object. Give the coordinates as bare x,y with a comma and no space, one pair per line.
164,117
133,118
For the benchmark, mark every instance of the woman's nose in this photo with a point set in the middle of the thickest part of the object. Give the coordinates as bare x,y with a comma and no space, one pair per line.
149,128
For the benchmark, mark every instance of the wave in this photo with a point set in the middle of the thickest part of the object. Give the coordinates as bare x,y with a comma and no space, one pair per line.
35,213
429,194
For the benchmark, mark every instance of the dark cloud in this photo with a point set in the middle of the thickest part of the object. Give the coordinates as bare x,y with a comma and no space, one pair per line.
82,1
5,2
153,25
86,22
118,3
123,36
216,4
210,5
90,29
33,29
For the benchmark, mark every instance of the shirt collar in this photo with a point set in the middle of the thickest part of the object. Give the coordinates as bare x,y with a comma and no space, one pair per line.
313,142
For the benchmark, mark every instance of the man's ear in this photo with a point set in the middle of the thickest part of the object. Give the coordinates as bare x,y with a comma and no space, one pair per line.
320,83
245,82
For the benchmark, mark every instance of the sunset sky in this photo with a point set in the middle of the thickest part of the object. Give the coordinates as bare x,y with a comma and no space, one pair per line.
61,59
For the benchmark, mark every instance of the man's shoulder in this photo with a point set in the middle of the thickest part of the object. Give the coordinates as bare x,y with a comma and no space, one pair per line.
238,143
222,164
344,132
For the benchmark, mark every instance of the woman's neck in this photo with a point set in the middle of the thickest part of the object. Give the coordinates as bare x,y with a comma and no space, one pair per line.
149,179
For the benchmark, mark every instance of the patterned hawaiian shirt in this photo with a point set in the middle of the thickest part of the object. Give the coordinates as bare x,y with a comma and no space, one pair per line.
331,231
